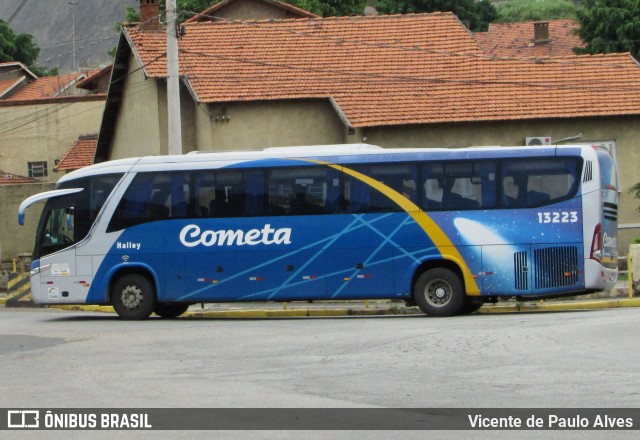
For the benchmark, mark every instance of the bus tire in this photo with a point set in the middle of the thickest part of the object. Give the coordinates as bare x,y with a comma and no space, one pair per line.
439,292
133,297
170,310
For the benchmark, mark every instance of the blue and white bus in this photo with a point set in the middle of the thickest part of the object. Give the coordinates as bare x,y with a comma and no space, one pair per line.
444,229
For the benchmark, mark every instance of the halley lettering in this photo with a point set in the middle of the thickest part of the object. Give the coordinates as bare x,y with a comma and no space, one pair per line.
192,236
128,245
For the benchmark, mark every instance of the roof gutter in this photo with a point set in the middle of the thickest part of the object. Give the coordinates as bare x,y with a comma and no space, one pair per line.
340,113
9,90
135,53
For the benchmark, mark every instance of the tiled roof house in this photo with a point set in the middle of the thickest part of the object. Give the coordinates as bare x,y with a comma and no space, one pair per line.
533,39
18,83
396,81
40,119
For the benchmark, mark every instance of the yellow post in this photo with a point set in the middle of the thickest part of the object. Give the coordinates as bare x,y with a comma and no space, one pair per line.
630,274
15,266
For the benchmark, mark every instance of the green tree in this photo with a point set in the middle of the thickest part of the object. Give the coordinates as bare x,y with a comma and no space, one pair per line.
610,26
22,48
331,8
534,10
476,14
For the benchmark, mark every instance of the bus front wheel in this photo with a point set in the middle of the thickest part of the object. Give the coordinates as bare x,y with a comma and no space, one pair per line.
439,292
133,297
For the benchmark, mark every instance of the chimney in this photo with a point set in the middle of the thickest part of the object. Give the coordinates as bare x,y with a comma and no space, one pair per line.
541,32
149,15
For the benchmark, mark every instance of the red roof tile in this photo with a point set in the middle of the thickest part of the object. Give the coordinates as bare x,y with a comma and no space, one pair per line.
7,85
517,40
390,70
81,154
45,87
13,179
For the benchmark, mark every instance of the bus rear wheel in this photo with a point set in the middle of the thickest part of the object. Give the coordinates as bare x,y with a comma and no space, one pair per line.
439,292
133,297
170,310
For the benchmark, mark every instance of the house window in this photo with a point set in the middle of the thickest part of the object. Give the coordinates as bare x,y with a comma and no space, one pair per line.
37,169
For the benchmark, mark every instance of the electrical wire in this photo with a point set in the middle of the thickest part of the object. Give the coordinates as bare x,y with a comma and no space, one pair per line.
403,78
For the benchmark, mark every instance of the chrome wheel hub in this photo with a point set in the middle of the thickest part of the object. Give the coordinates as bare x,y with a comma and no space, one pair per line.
438,293
132,297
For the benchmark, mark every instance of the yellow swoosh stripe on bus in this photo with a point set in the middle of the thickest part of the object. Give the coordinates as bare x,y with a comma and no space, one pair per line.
427,224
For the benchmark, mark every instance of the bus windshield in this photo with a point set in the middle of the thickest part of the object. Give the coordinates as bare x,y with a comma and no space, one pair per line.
67,219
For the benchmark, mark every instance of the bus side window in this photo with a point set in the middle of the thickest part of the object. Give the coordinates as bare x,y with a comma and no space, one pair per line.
459,186
357,195
302,191
203,193
433,175
361,197
180,195
150,197
157,209
533,183
254,193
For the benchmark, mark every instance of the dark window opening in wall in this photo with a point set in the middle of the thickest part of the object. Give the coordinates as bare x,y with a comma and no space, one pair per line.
37,169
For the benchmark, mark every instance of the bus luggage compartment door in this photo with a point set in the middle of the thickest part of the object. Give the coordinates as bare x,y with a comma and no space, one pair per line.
219,276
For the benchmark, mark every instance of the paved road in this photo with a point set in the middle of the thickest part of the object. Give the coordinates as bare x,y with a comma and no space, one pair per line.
54,358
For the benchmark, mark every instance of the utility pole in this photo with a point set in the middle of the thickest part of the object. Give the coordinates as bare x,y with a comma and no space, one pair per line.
73,32
173,81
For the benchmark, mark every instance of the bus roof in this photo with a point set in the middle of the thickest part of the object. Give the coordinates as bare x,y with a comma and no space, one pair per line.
339,154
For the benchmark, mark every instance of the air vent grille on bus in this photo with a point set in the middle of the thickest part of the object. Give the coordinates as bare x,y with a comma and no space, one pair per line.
588,171
521,271
610,211
556,267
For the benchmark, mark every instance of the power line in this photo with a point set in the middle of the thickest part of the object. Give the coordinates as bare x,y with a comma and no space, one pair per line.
19,129
402,78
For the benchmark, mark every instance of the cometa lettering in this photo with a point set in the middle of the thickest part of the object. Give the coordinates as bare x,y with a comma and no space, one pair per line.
192,236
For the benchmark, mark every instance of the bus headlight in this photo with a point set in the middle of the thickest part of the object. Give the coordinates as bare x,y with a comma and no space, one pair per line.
37,270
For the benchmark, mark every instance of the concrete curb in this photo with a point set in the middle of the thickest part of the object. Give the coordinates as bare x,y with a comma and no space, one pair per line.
291,313
252,313
396,310
612,303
